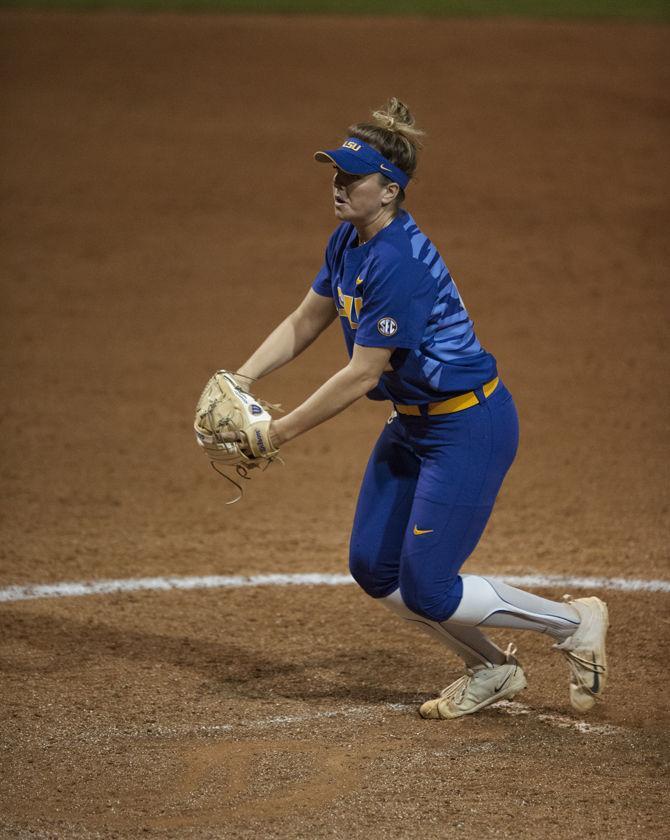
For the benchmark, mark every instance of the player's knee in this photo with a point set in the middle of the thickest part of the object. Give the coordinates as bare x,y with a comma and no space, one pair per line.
428,598
370,573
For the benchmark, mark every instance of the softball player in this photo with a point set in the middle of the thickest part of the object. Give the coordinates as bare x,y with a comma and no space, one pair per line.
437,467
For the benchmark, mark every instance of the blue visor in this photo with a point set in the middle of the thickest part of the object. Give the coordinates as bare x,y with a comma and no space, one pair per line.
358,158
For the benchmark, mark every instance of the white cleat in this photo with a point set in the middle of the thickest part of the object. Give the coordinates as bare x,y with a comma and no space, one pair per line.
585,653
479,687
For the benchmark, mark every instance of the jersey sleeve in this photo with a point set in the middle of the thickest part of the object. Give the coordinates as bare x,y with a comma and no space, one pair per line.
322,284
398,297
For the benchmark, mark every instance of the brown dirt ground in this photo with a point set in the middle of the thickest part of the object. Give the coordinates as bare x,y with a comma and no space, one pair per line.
161,213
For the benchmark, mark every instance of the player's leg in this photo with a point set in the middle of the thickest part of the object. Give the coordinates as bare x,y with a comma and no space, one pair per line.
496,604
384,502
473,647
579,628
449,513
465,457
453,501
382,513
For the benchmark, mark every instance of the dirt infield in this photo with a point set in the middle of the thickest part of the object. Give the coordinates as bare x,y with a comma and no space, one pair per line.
160,213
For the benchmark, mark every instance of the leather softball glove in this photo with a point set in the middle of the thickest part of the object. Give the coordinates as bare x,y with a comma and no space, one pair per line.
233,427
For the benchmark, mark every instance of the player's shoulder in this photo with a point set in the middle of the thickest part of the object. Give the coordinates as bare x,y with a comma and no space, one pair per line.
414,240
401,245
400,239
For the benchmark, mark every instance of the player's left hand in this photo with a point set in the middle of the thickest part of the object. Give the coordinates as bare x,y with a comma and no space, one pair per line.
231,425
238,437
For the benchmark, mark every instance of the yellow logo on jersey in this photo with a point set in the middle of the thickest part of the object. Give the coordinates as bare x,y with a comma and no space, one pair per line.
349,144
350,307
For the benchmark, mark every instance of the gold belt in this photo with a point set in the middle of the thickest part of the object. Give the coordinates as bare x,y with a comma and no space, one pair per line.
451,405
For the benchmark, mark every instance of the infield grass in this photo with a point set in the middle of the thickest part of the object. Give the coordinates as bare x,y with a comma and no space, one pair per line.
644,10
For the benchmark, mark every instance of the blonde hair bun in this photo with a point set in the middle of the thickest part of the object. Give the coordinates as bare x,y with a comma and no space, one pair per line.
392,132
395,116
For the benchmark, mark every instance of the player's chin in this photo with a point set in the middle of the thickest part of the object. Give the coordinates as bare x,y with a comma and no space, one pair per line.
342,210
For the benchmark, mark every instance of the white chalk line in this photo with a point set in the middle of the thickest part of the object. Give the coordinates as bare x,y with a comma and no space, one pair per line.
506,707
262,723
510,707
163,584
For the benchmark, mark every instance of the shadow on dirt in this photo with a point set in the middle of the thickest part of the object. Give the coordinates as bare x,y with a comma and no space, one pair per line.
48,645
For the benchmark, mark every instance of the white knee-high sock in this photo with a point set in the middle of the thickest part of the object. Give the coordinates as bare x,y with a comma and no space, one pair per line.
492,604
467,642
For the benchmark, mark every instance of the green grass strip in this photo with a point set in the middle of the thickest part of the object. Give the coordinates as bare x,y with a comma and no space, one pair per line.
643,10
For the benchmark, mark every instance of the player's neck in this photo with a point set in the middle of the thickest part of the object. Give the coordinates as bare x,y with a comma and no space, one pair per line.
369,229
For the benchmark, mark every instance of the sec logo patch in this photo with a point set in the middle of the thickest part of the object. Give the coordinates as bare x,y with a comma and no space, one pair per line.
387,326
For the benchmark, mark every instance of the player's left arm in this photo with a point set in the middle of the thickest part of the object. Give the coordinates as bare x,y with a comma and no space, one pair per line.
339,392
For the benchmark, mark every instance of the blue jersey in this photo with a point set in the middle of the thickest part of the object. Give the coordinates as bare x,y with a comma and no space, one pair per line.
395,291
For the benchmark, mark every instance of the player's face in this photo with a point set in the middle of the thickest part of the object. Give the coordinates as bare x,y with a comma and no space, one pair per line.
359,198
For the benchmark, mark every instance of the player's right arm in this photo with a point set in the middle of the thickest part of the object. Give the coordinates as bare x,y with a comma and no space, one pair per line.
294,334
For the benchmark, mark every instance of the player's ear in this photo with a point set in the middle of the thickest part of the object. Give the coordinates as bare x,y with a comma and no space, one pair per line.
390,193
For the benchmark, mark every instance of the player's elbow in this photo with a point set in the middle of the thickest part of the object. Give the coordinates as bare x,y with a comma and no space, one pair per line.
367,385
363,378
367,365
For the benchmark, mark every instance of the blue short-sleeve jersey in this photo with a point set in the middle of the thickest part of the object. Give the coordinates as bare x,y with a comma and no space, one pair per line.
395,291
